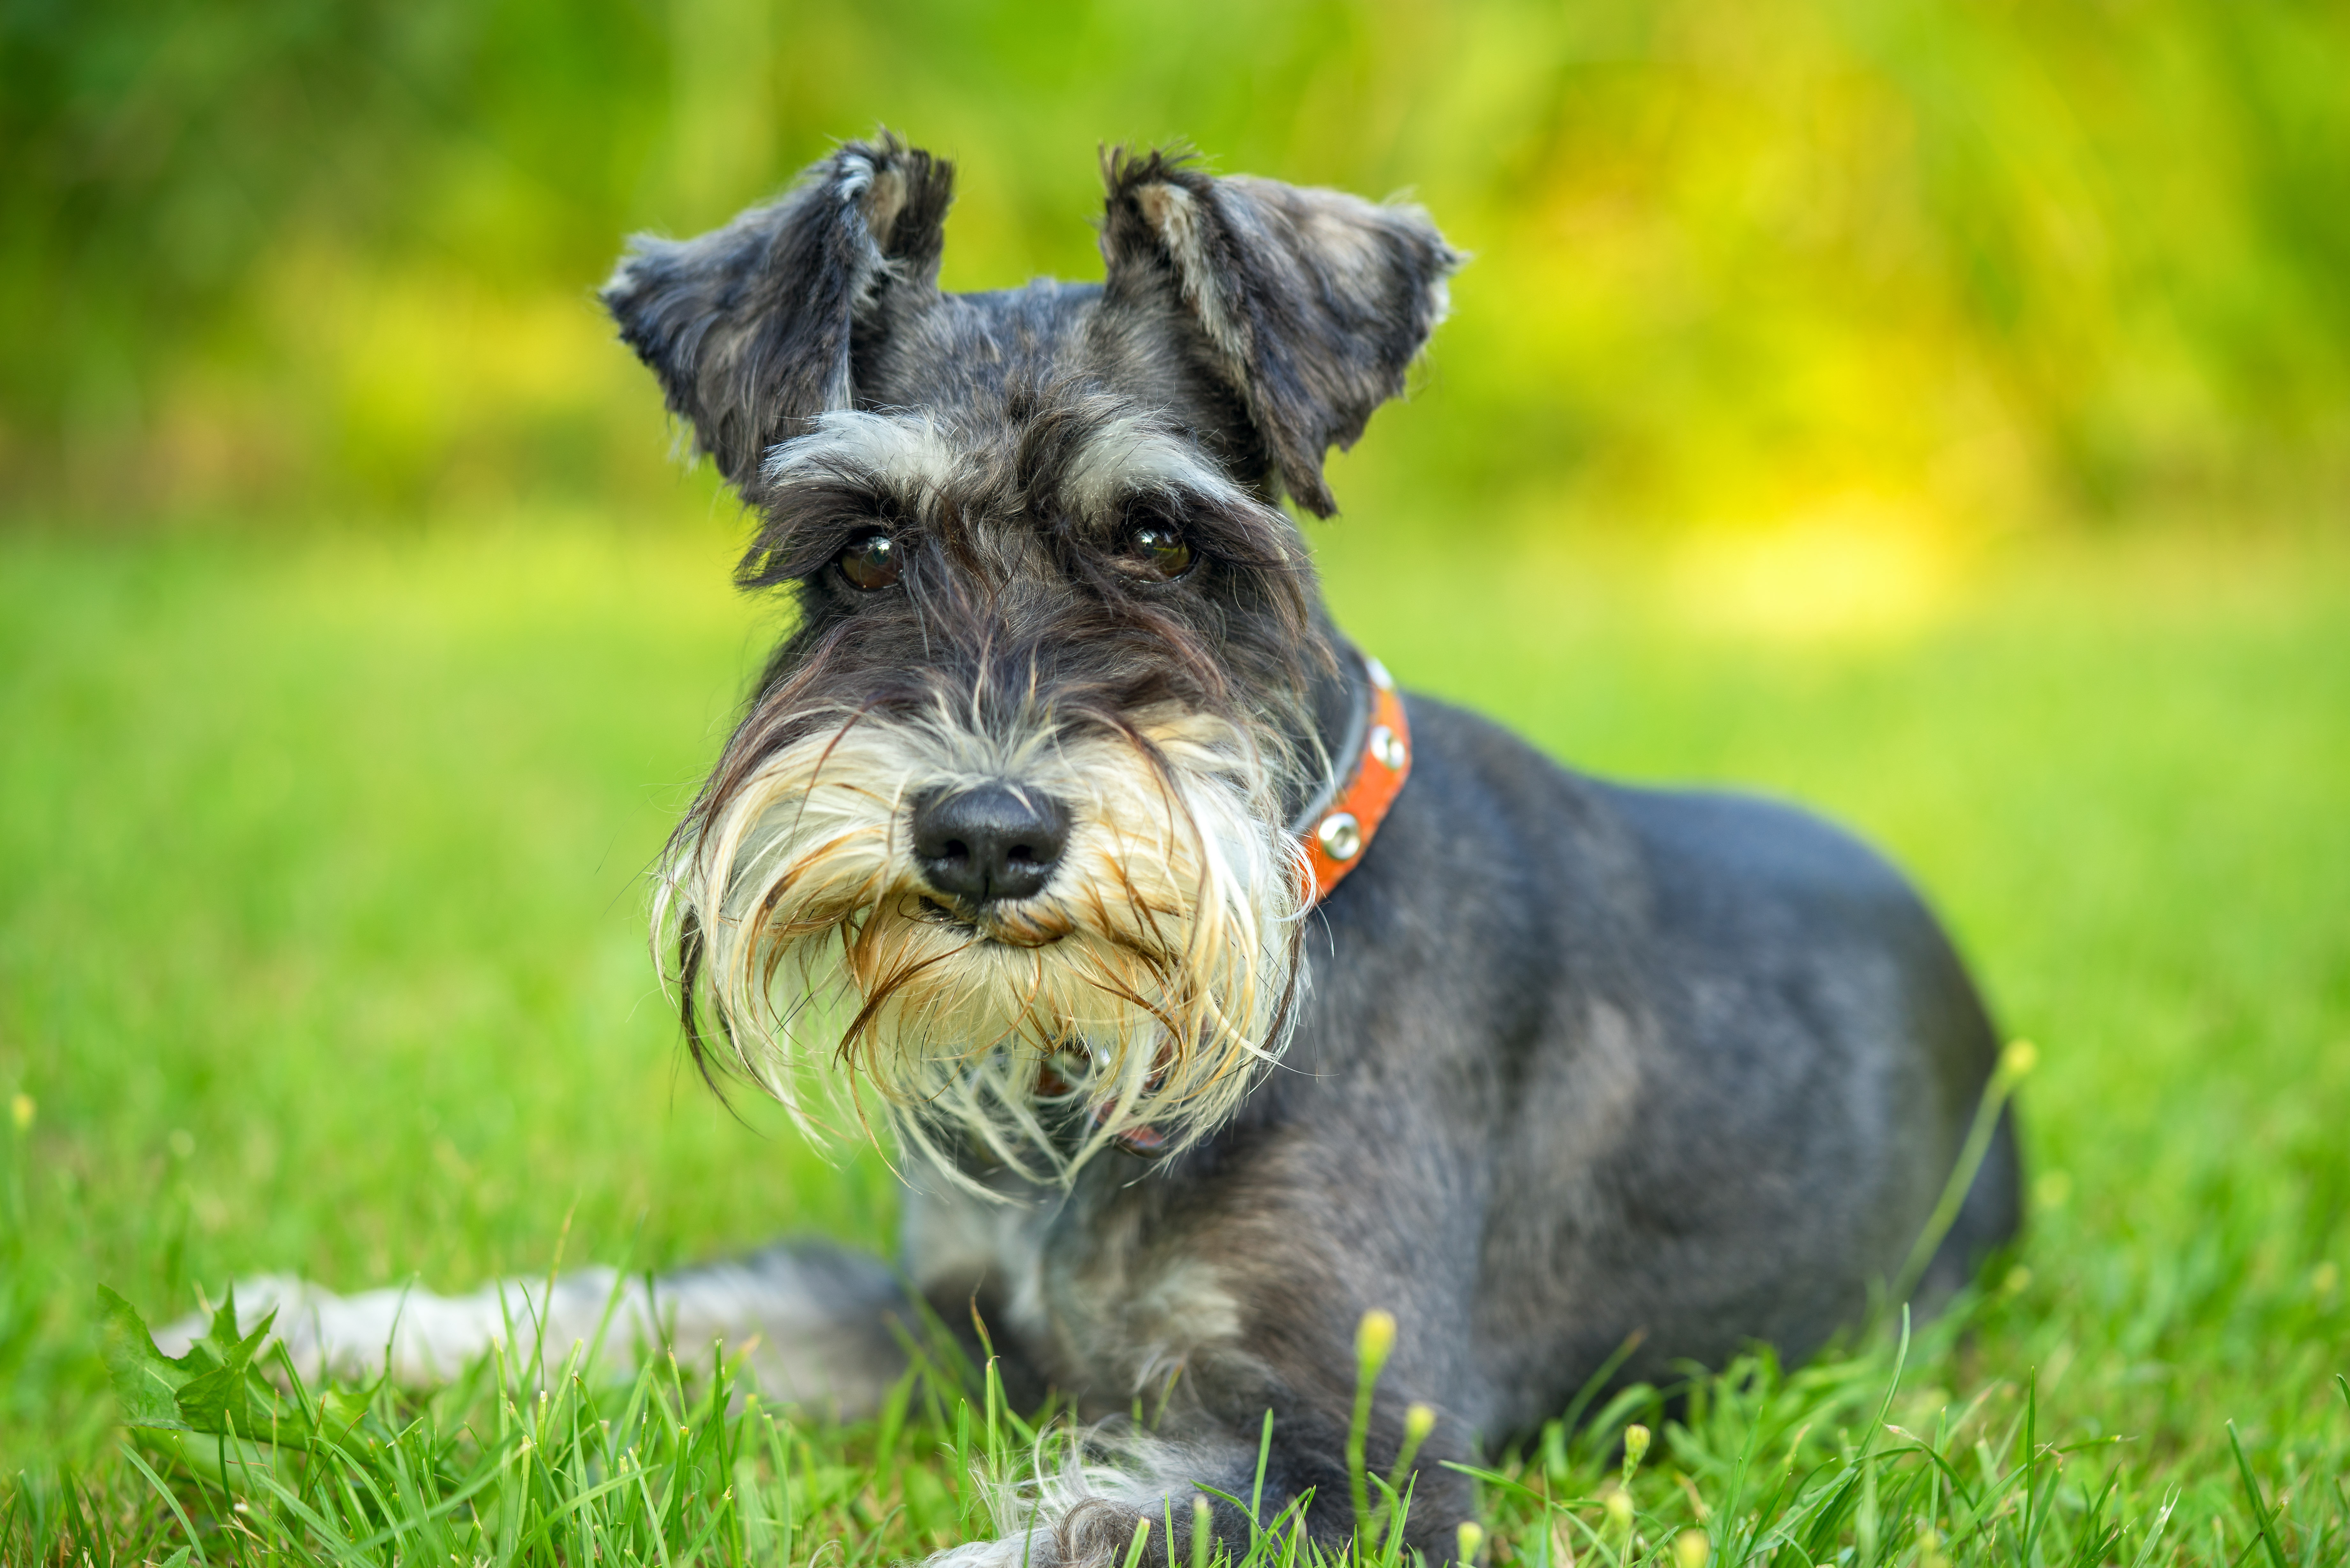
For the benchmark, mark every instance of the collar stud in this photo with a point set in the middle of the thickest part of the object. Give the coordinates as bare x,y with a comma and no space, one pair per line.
1334,845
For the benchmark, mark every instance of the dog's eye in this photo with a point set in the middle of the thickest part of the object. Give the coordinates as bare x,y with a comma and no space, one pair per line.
872,563
1154,550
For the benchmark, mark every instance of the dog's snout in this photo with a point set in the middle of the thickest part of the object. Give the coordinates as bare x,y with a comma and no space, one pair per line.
989,842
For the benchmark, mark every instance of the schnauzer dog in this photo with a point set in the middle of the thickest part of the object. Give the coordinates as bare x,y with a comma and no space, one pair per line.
1214,991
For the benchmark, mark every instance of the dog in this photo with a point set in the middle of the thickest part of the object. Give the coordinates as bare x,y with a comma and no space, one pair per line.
1215,992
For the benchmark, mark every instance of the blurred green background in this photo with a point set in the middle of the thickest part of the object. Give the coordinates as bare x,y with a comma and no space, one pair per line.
1929,266
1938,412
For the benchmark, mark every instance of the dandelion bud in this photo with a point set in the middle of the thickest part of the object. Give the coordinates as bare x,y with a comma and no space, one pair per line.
20,1111
2017,1060
1691,1549
1620,1509
1374,1338
1636,1448
1419,1420
1472,1540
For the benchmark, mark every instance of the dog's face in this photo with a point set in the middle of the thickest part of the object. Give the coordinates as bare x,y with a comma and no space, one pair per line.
1004,828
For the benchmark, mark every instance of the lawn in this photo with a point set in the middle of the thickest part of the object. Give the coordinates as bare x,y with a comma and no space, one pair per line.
321,896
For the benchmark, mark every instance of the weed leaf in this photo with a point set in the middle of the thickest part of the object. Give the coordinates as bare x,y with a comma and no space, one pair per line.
208,1390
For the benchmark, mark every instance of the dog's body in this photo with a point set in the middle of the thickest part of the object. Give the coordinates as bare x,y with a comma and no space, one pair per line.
1012,830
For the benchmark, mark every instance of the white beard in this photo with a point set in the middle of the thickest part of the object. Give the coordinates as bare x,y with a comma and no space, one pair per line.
1151,974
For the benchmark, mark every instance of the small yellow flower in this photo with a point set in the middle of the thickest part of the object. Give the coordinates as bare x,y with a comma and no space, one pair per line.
1619,1508
1691,1549
1636,1448
2017,1060
1472,1540
1419,1420
1374,1336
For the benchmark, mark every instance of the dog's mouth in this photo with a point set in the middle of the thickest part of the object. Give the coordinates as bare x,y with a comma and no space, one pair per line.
1023,924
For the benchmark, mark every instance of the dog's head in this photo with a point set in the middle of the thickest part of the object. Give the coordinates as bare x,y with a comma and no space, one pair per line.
1005,828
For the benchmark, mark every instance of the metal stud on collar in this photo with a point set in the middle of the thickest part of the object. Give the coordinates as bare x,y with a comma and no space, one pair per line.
1340,836
1381,762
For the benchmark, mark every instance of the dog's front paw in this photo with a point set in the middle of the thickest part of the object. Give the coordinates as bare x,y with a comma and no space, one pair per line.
1091,1493
1095,1532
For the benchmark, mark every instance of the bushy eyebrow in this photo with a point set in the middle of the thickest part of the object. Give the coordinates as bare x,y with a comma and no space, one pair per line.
911,455
1133,455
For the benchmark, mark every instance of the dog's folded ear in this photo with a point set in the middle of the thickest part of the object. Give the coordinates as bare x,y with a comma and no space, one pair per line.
1313,302
749,327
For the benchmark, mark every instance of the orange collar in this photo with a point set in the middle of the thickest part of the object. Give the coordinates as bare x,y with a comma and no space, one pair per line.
1335,843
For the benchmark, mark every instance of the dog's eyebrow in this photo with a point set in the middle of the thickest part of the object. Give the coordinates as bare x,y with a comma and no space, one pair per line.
907,455
1135,455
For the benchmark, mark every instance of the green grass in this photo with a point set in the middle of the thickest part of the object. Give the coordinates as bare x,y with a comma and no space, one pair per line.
320,947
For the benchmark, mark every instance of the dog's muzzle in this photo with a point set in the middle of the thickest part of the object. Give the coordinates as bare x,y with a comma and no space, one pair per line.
949,910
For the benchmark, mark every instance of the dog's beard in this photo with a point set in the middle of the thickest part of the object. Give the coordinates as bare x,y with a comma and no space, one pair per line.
1136,990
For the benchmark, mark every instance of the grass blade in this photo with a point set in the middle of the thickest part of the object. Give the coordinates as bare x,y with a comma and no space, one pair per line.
2261,1518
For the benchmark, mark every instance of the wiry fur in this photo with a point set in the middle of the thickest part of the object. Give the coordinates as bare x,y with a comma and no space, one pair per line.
1080,1498
754,320
1585,1077
1142,984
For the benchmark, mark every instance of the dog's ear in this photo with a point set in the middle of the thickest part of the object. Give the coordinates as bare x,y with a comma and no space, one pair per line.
749,326
1313,302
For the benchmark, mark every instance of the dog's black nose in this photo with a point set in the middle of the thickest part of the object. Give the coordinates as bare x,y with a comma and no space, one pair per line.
989,842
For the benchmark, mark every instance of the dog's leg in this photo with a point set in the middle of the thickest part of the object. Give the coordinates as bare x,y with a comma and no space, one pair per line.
820,1324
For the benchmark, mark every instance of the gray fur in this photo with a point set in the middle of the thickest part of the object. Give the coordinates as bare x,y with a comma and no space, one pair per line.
752,325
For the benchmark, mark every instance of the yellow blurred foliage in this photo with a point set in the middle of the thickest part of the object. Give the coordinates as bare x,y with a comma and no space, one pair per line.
1857,568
